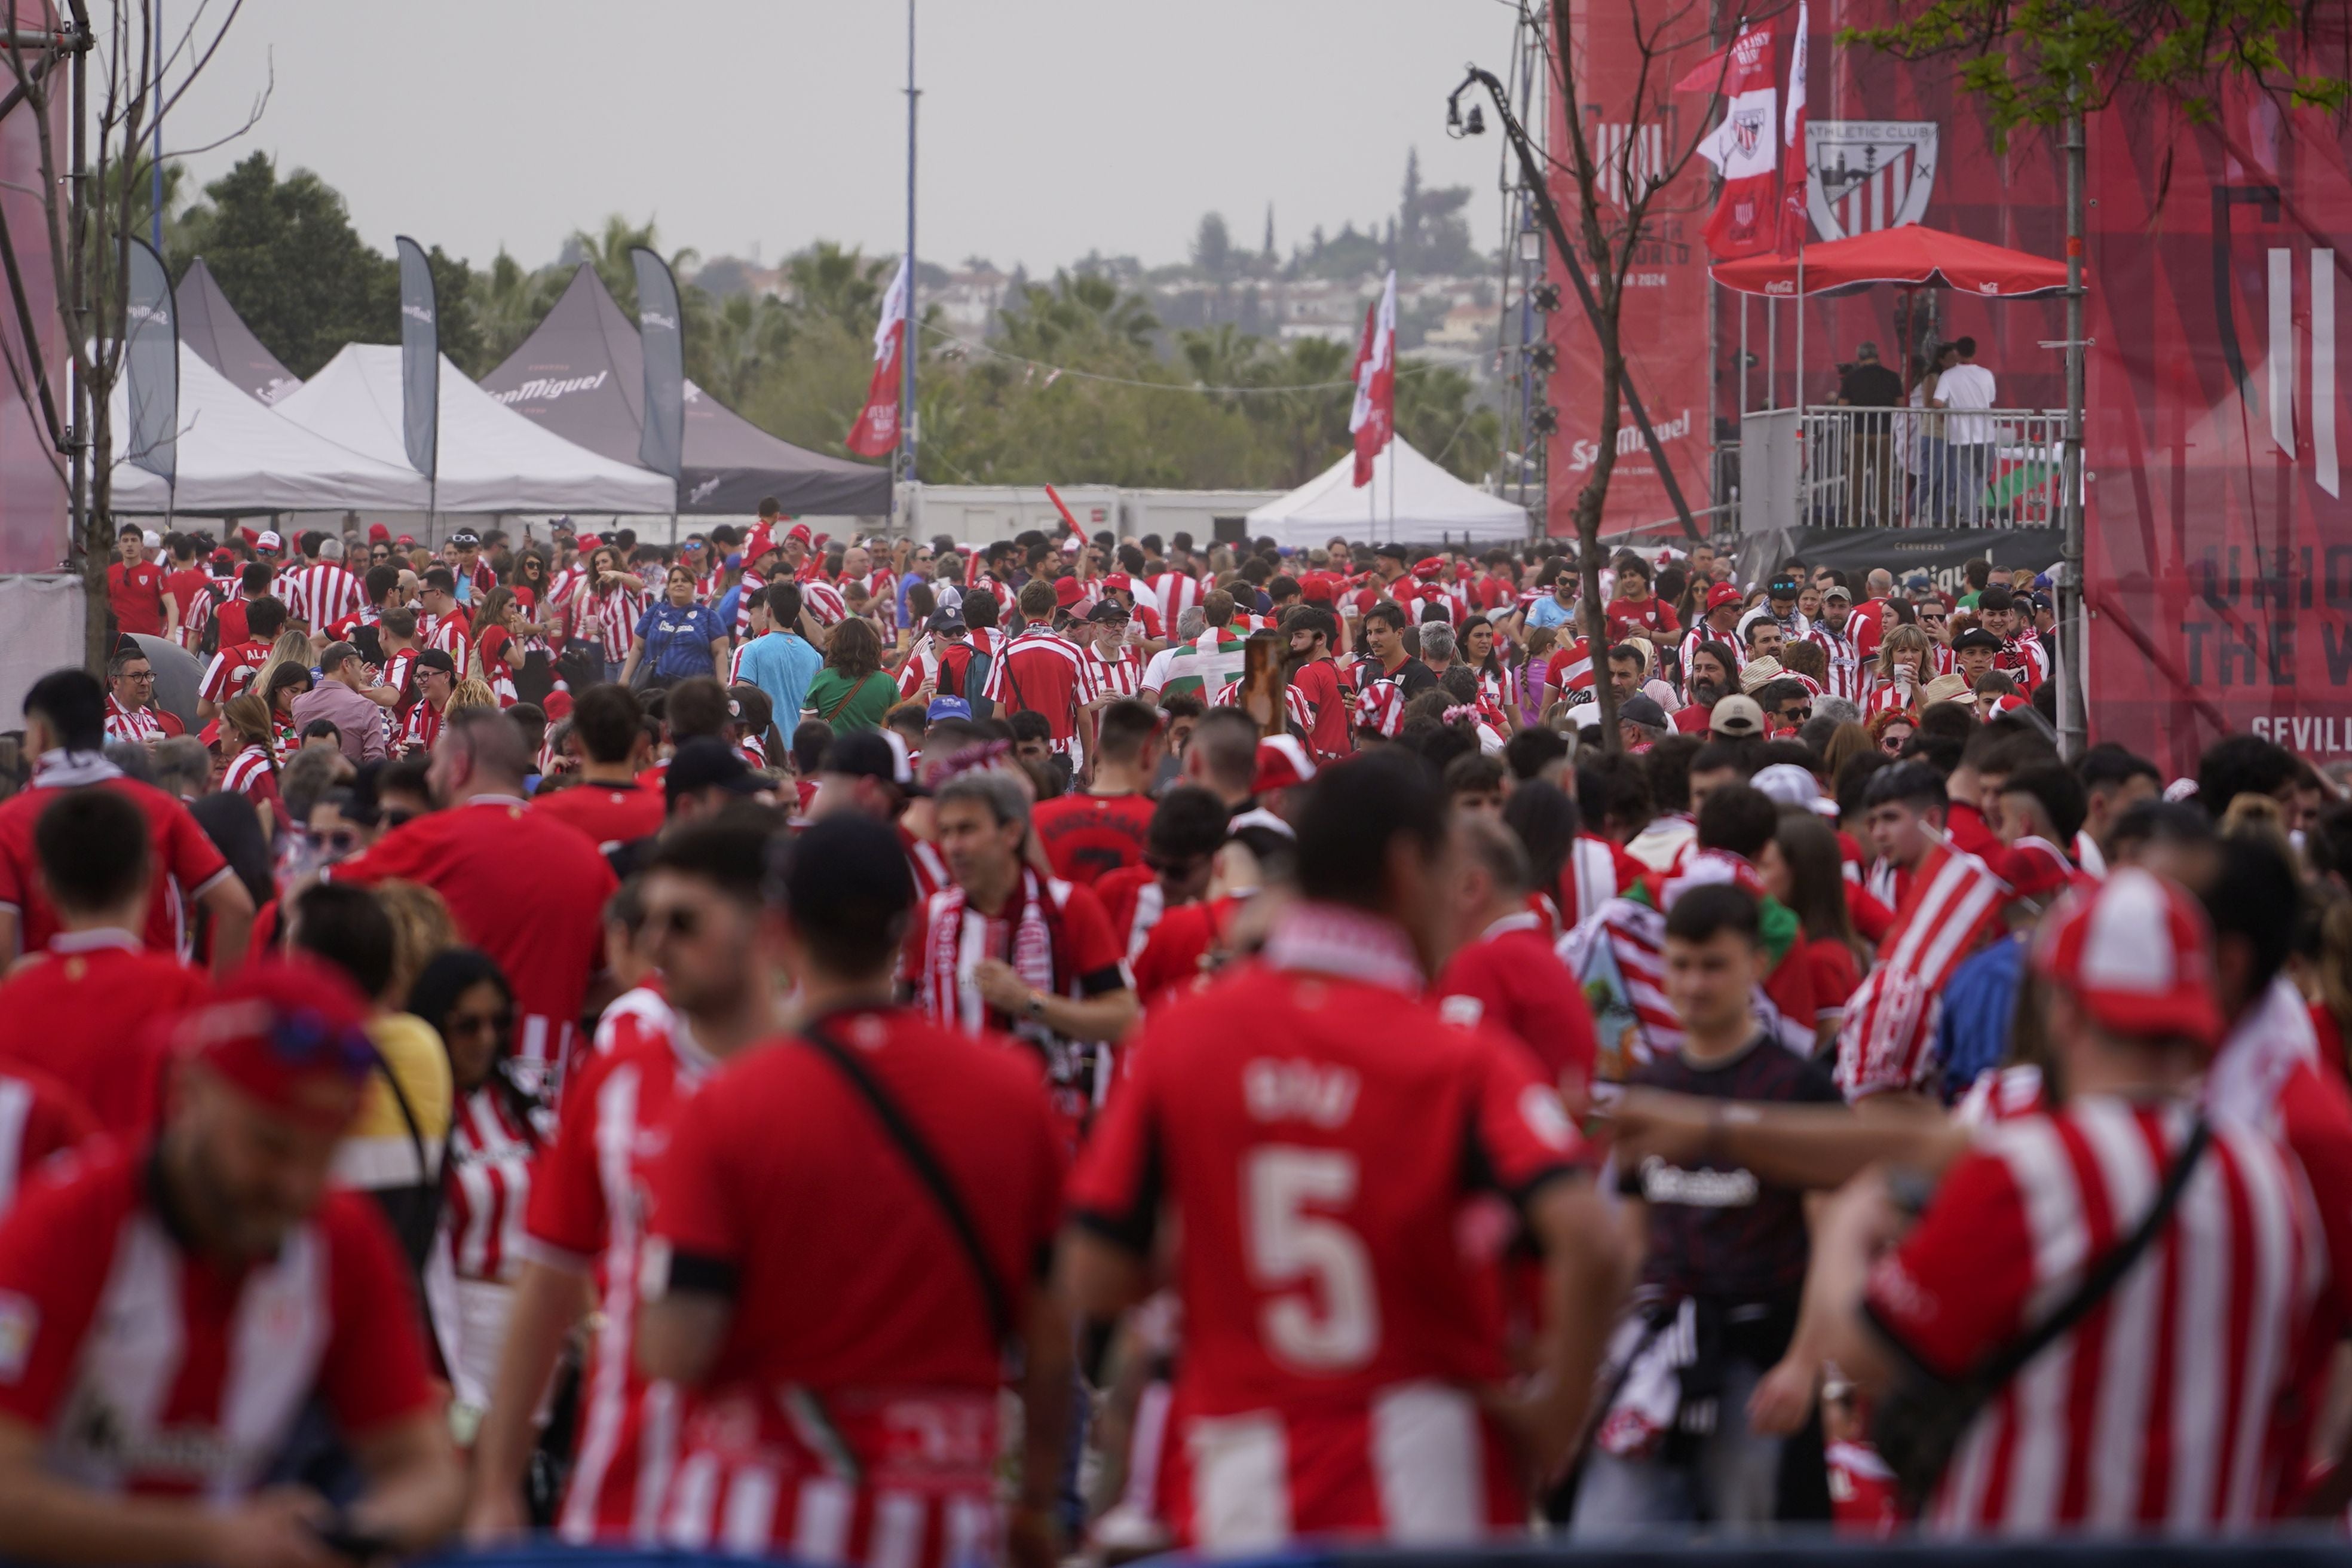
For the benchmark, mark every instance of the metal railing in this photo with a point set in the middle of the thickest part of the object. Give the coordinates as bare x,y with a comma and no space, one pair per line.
1902,468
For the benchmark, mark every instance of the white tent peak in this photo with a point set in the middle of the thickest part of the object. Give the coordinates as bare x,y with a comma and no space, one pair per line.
238,454
1429,505
491,458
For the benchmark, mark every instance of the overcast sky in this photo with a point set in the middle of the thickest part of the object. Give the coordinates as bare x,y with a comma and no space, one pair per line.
1049,127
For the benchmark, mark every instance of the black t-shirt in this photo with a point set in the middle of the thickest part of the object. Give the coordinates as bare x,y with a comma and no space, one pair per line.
1716,1232
1413,677
1871,386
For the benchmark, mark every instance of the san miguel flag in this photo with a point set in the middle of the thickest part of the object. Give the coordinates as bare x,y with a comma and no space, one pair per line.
1745,150
1789,237
875,434
1373,419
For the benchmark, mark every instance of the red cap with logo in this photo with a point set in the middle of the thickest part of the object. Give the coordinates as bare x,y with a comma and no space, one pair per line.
1119,580
379,534
1282,762
2134,953
1722,593
291,1034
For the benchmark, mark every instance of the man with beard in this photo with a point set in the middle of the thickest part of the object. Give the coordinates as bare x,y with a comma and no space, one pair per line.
1835,633
701,895
1714,669
172,1312
1720,625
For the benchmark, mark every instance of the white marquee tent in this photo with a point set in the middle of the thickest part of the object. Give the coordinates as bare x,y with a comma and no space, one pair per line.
237,456
491,458
1429,506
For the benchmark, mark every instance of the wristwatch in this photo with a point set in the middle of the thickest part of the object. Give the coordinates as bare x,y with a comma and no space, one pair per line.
1036,1008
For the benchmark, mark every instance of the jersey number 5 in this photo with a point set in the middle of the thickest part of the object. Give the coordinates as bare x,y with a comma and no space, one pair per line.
1290,1246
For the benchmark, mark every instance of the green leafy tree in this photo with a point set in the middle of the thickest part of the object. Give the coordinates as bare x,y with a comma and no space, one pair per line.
288,257
2033,61
509,303
830,283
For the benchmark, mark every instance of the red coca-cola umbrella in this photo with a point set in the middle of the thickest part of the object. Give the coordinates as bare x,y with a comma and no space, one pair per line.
1911,257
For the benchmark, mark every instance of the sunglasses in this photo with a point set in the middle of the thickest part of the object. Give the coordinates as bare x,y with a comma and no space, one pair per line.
340,840
474,1023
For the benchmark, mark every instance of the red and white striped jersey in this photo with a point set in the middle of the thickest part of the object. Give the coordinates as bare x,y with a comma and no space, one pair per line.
1845,661
1173,593
1886,1045
453,637
1040,672
191,590
150,1370
823,603
490,1152
420,729
2025,660
2174,1404
610,620
586,1210
130,724
250,775
1120,675
232,670
1296,708
1704,633
1890,696
930,867
637,1015
321,594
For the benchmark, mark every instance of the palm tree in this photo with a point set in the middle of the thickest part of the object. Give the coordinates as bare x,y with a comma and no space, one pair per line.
608,253
509,303
833,284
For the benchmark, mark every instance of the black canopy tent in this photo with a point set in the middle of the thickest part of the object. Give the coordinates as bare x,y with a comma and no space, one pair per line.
582,375
210,325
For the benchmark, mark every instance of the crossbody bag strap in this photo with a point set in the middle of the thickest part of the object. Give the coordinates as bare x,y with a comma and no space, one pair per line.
929,1171
2104,1277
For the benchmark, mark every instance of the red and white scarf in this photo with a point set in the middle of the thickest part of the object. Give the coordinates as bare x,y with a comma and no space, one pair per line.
960,937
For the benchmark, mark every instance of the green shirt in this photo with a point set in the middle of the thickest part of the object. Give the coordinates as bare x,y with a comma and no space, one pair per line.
866,701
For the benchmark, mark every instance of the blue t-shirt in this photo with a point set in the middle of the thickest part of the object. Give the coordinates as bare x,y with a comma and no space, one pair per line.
677,641
781,665
730,605
1547,611
1980,1002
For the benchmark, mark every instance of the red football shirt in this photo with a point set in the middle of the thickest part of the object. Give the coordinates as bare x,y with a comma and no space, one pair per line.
135,593
1087,835
230,620
1653,618
151,1369
587,1207
39,1119
189,863
93,1012
189,587
1511,979
782,1175
1315,1128
1319,683
526,890
608,814
232,668
1039,671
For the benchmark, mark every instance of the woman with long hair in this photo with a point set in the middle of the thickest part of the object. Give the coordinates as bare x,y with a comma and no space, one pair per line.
497,1131
252,770
1546,821
1498,683
528,578
1802,868
608,604
292,647
1906,663
1848,740
280,689
851,692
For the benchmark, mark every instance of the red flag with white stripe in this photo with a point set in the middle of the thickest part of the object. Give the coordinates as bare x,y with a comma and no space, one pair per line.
1890,1022
1373,419
1745,150
875,434
1793,216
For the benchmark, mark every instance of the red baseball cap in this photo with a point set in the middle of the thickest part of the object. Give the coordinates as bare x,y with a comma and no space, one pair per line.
2035,868
1428,566
2008,704
2136,954
1722,593
1121,581
1066,592
406,538
1320,587
291,1034
379,534
1282,762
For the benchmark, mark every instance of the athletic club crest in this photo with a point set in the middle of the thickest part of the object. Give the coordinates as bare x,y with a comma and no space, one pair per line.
1747,129
1869,173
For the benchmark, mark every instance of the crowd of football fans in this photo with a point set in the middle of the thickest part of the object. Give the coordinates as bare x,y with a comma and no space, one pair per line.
901,1053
